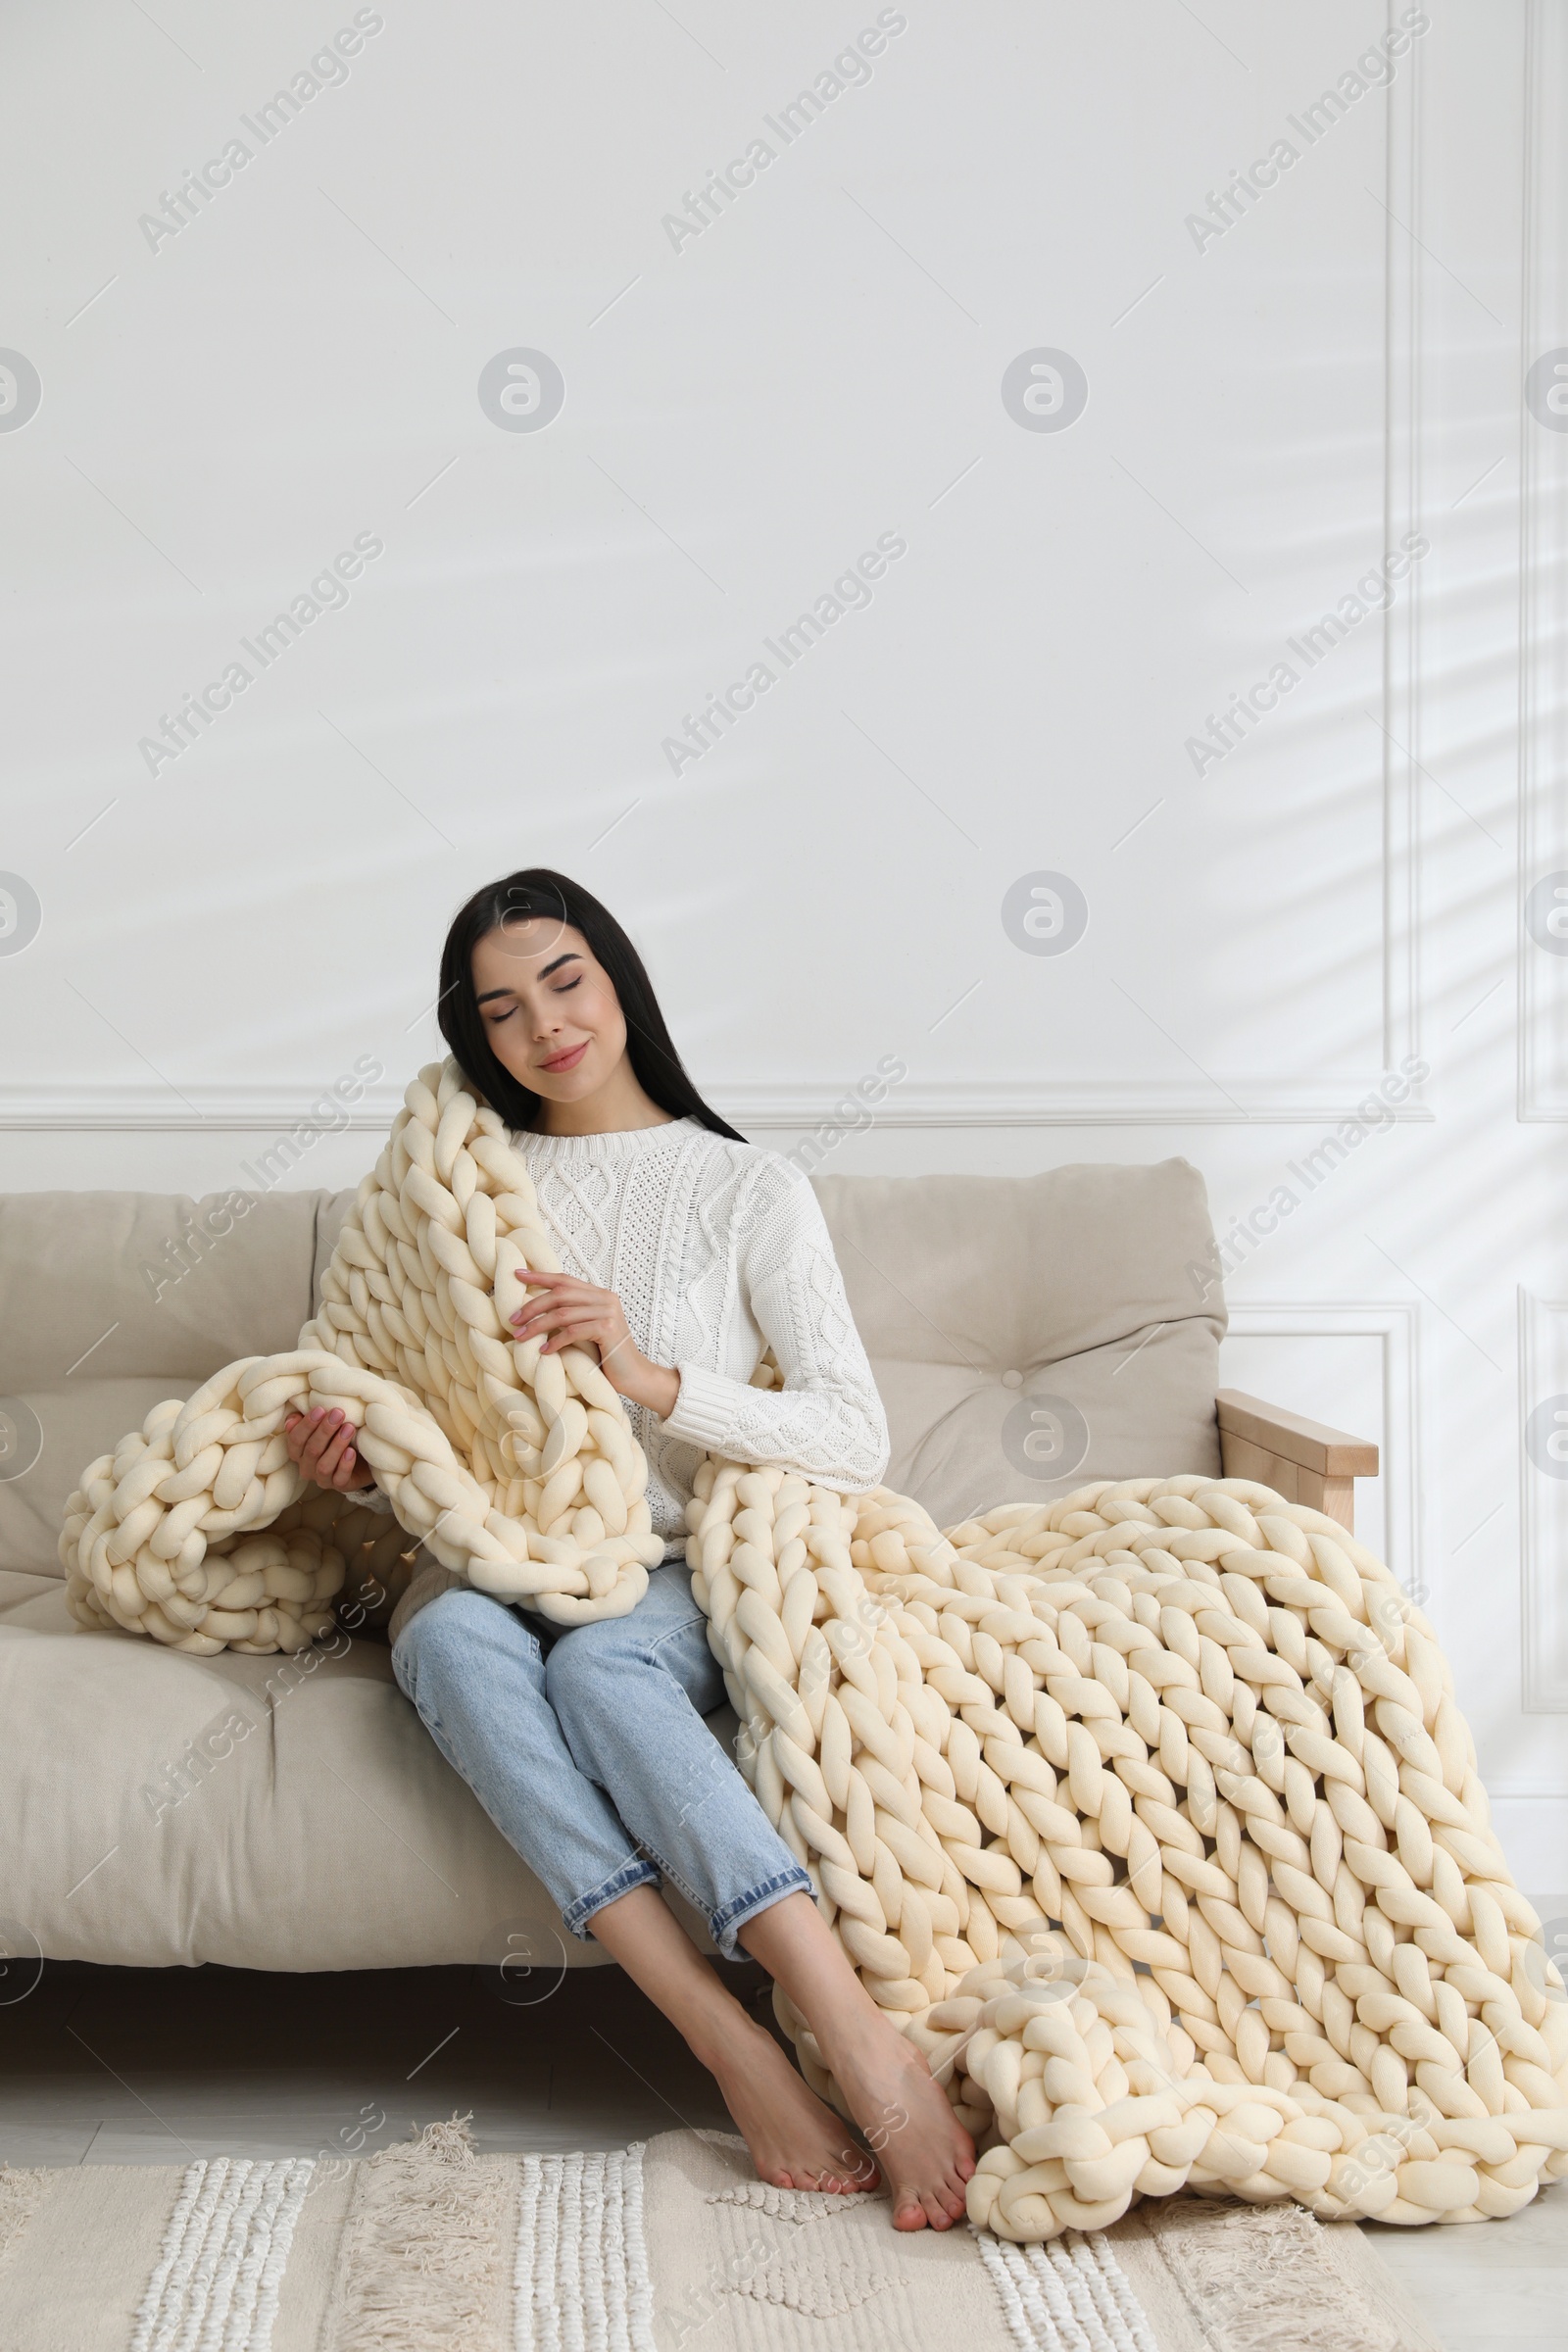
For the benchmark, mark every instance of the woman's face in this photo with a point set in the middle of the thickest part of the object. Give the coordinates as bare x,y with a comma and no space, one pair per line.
550,1011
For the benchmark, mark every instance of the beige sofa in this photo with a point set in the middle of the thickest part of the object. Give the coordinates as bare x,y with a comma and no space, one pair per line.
157,1809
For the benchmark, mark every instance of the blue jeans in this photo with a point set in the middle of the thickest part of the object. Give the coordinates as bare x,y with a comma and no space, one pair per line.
588,1750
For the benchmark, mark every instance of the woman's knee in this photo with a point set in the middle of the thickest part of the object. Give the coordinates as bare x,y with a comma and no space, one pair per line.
582,1662
609,1683
441,1639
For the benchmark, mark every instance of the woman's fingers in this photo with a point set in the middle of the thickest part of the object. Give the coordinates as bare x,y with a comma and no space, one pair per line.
558,1290
580,1295
301,1436
571,1331
603,1305
572,1313
535,1308
321,1445
337,1458
545,1288
560,1332
321,1424
558,1328
534,1319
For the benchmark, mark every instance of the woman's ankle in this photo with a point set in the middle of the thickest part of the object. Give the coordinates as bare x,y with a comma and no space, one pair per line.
848,2025
728,2037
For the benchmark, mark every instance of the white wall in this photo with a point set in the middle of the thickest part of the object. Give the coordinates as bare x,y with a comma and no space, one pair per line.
1270,412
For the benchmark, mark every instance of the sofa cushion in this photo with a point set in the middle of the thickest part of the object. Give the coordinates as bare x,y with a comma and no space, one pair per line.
255,1812
20,1591
116,1301
331,1209
1028,1333
100,1275
70,1426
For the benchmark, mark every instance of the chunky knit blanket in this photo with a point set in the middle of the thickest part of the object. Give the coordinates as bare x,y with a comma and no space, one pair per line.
1147,1814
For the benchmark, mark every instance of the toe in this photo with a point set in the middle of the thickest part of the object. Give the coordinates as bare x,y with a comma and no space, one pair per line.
936,2211
909,2215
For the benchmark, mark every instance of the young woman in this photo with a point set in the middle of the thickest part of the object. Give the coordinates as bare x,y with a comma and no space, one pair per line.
688,1250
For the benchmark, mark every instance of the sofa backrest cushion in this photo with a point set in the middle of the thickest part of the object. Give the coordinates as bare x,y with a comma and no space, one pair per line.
1029,1333
112,1302
1026,1333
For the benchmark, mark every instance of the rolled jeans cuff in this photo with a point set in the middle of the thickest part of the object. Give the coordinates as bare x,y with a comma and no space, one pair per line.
725,1924
635,1871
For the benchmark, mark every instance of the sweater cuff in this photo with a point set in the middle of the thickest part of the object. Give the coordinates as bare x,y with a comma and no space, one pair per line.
705,1407
428,1582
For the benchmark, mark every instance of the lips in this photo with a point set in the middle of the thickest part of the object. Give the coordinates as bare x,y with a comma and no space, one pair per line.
566,1061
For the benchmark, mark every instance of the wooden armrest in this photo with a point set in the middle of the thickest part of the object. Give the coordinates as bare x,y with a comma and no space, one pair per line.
1303,1460
1312,1443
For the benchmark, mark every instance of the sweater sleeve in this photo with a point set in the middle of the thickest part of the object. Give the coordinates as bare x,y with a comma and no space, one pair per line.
828,1420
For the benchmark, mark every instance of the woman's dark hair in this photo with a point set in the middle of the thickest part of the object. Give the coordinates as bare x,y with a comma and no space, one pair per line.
537,893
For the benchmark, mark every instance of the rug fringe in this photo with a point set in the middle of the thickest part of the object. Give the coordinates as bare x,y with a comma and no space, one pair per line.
1263,2280
426,2248
20,2193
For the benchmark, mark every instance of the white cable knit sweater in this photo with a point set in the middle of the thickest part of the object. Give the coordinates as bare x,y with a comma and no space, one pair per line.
717,1250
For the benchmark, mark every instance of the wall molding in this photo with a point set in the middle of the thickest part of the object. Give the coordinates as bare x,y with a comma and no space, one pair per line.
1542,1515
1542,1089
1404,1444
793,1106
1403,622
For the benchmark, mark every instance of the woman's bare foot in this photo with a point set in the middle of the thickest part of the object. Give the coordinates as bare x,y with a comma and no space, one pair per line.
796,2141
925,2152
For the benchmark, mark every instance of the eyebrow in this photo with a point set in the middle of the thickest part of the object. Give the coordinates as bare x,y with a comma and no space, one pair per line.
569,956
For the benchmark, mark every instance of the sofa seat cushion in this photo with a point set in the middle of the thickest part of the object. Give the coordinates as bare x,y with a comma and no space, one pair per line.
254,1812
259,1812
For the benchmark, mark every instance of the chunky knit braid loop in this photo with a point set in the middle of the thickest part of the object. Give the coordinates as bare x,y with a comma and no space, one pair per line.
1147,1815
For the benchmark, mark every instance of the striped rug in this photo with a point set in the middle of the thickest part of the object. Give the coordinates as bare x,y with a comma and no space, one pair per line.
672,2246
223,2255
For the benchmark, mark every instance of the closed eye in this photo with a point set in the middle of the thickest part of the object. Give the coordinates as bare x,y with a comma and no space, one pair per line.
494,1021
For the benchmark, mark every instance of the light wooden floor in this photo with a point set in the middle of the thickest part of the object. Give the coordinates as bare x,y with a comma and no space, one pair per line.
1491,2286
131,2066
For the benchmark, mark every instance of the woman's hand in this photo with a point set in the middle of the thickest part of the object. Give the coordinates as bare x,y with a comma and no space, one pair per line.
574,1313
320,1444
